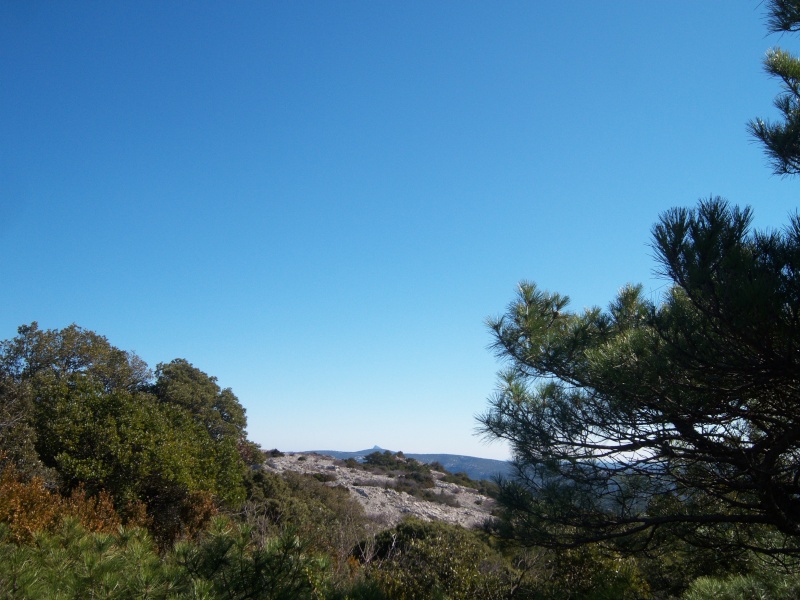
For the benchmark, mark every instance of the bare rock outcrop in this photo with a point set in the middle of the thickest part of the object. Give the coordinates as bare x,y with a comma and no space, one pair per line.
458,505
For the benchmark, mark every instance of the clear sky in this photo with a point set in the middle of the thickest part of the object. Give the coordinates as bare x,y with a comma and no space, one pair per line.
321,202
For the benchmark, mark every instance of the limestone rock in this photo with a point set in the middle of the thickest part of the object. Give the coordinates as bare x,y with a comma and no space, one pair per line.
385,504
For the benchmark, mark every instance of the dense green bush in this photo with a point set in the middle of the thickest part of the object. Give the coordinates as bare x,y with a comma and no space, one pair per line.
417,559
388,462
588,573
91,416
326,517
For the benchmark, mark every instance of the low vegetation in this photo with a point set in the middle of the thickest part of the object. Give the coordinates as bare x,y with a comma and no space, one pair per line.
119,482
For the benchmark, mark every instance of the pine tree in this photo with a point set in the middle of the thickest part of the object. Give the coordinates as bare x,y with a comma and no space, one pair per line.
782,139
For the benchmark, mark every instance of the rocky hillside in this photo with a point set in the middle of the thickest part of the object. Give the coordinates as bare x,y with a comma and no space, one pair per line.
374,490
476,468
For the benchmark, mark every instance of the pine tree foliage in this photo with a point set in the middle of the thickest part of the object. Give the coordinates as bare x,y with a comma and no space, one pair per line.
646,419
784,16
781,139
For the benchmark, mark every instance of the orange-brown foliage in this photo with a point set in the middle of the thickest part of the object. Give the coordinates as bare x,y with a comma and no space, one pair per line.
198,511
95,513
28,506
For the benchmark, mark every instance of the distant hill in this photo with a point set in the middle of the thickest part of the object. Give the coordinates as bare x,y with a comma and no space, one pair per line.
475,468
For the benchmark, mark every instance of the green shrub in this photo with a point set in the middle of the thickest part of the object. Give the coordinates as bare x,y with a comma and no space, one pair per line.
386,462
461,479
325,516
100,423
421,560
234,566
586,573
744,587
75,563
441,498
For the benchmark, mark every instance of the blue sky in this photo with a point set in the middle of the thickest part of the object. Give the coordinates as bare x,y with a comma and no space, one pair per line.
321,202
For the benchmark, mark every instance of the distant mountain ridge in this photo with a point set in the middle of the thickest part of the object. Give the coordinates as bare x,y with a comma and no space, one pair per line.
476,468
